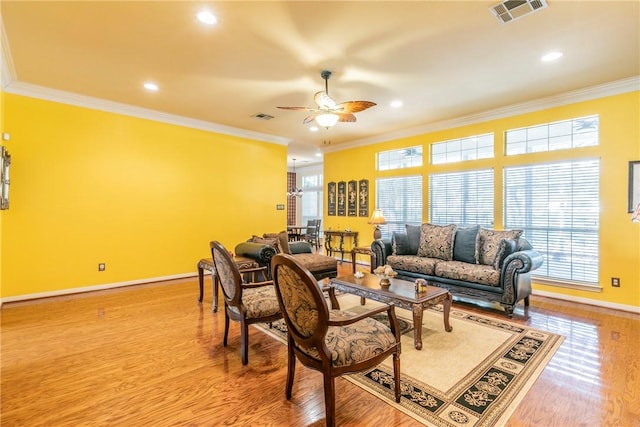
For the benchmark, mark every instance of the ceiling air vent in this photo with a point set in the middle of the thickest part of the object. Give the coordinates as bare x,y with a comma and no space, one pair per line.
262,116
511,10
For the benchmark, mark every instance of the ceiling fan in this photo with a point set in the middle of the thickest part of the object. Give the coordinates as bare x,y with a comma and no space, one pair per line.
329,112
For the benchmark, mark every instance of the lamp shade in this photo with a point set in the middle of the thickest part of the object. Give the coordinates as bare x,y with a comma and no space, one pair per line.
377,217
327,120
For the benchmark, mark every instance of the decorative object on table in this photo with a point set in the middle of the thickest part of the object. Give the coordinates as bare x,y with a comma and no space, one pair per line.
358,274
363,197
385,272
5,162
329,112
377,219
352,198
331,198
342,198
293,191
421,285
635,217
634,185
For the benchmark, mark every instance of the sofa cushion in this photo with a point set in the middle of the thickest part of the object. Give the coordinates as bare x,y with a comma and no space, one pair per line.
505,248
464,247
317,262
413,263
488,243
436,241
400,244
413,234
475,273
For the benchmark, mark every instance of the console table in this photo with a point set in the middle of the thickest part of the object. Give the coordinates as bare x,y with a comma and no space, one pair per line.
331,236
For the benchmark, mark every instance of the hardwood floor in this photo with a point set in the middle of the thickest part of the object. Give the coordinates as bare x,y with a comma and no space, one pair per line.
151,355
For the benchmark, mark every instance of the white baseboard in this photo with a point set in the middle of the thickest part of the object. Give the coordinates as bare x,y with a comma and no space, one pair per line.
571,298
93,288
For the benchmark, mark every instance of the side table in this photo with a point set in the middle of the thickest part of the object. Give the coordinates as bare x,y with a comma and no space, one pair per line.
362,250
207,264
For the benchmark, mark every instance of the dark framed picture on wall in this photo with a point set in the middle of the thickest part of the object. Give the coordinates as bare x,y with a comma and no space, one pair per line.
342,198
634,184
331,199
363,197
352,195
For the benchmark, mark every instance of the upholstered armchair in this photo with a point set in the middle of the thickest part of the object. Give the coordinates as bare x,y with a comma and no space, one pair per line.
245,303
333,342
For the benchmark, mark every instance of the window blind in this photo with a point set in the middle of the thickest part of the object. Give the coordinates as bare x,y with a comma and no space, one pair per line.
462,198
400,199
557,205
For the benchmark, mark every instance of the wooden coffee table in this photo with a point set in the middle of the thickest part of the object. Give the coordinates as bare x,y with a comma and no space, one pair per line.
401,293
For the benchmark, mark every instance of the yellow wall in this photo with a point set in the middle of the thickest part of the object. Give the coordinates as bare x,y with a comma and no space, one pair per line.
619,144
141,196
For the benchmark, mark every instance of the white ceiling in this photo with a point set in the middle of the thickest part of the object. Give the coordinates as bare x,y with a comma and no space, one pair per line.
443,59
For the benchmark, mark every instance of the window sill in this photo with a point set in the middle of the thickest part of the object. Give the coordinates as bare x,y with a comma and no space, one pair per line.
567,284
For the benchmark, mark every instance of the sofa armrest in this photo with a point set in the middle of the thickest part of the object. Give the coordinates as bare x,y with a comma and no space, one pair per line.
259,252
300,248
522,262
515,279
381,249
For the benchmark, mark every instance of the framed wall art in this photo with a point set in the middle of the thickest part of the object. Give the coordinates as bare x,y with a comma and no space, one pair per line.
634,184
331,199
5,162
352,198
363,197
342,198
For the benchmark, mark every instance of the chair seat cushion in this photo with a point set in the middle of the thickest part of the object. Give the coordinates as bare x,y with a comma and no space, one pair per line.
354,343
259,302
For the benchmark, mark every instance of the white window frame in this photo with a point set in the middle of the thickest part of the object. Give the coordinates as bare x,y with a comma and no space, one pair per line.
462,198
408,157
400,199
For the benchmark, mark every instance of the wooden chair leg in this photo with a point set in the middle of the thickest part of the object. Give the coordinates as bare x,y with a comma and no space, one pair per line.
226,328
396,375
291,372
329,400
244,342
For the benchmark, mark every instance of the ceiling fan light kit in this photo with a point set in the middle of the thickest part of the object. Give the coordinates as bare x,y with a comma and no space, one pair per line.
329,112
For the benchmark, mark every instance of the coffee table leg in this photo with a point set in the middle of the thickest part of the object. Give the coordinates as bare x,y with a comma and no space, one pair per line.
447,308
417,326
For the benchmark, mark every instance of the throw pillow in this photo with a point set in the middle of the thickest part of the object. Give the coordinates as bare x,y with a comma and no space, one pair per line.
505,248
488,243
413,234
436,241
400,244
267,241
464,247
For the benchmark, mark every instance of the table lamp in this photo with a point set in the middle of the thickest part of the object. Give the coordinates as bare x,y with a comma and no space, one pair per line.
376,219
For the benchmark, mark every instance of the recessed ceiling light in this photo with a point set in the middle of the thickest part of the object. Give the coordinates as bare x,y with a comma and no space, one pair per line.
318,154
313,128
151,86
207,17
396,104
552,56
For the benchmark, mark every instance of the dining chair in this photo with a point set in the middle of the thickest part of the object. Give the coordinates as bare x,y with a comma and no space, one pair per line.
333,342
312,232
244,302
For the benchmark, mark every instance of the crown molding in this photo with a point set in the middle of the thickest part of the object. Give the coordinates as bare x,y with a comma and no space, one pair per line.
630,84
7,70
55,95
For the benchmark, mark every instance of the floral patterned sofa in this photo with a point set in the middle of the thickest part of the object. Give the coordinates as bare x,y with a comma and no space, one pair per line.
473,262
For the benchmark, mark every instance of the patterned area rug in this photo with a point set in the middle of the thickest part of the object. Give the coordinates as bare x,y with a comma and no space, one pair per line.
474,376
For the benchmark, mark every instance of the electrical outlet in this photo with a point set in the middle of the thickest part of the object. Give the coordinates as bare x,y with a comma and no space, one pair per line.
101,266
615,282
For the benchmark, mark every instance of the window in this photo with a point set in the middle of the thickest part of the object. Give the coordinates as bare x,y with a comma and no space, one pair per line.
457,150
557,206
400,200
399,159
462,198
574,133
311,197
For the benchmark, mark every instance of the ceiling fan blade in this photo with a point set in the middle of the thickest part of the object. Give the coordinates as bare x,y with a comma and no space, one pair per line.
299,108
353,106
324,101
346,118
309,119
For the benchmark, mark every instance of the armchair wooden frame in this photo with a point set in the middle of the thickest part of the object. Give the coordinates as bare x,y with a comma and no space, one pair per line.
263,308
308,342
